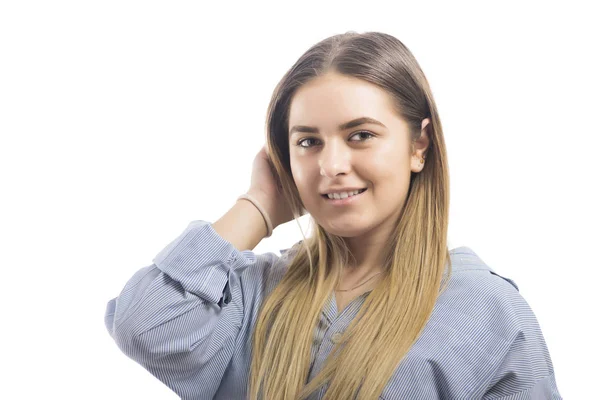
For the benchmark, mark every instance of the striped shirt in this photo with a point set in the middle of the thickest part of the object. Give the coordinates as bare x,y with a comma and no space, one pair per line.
188,320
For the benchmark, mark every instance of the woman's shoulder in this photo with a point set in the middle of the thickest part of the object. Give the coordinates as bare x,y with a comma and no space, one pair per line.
465,259
480,323
490,311
489,299
291,250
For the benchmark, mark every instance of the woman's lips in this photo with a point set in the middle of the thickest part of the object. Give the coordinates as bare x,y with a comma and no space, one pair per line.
347,200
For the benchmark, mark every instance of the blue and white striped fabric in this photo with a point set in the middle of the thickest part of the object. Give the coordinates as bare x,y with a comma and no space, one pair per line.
188,319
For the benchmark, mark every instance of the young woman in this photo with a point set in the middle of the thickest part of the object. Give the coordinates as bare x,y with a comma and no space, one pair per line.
372,305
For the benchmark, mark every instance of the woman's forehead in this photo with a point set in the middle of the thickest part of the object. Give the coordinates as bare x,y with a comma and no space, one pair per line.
328,104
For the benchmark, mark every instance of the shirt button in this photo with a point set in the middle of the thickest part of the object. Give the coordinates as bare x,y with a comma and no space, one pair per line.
336,337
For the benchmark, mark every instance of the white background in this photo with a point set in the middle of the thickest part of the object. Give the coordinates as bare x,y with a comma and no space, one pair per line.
123,121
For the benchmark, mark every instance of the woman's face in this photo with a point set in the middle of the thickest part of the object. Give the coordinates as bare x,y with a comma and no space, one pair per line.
324,155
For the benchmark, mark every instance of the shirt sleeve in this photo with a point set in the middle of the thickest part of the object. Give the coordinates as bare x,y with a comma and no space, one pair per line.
526,370
180,317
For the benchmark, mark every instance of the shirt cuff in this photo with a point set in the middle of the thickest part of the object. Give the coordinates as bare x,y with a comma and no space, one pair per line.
200,260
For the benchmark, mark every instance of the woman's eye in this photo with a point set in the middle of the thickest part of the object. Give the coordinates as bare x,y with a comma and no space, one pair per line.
304,140
365,132
355,134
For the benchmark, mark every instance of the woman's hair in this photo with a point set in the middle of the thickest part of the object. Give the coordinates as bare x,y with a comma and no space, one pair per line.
396,311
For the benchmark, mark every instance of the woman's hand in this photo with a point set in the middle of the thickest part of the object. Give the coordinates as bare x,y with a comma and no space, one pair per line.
266,188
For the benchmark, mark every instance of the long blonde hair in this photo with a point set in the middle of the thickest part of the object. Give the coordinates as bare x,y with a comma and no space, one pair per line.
396,311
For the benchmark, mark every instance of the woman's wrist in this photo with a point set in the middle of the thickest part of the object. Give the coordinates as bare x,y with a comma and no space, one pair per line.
257,199
243,226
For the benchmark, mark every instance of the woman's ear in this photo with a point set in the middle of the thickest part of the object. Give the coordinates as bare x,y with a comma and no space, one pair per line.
420,145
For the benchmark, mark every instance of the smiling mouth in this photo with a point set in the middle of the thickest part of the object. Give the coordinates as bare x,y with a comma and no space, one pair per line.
327,197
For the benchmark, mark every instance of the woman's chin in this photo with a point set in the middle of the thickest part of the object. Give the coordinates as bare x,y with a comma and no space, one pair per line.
344,228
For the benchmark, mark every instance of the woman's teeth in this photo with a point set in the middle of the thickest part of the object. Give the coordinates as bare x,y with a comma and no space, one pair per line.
343,195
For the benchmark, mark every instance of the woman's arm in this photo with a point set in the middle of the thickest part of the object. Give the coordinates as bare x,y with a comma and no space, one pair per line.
180,317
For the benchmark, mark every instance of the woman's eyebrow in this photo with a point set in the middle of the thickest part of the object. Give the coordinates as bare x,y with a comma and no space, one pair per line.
347,125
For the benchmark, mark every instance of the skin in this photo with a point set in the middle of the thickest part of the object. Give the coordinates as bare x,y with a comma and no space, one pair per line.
383,163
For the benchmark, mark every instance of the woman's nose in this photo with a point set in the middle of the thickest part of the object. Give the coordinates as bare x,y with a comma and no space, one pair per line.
334,159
